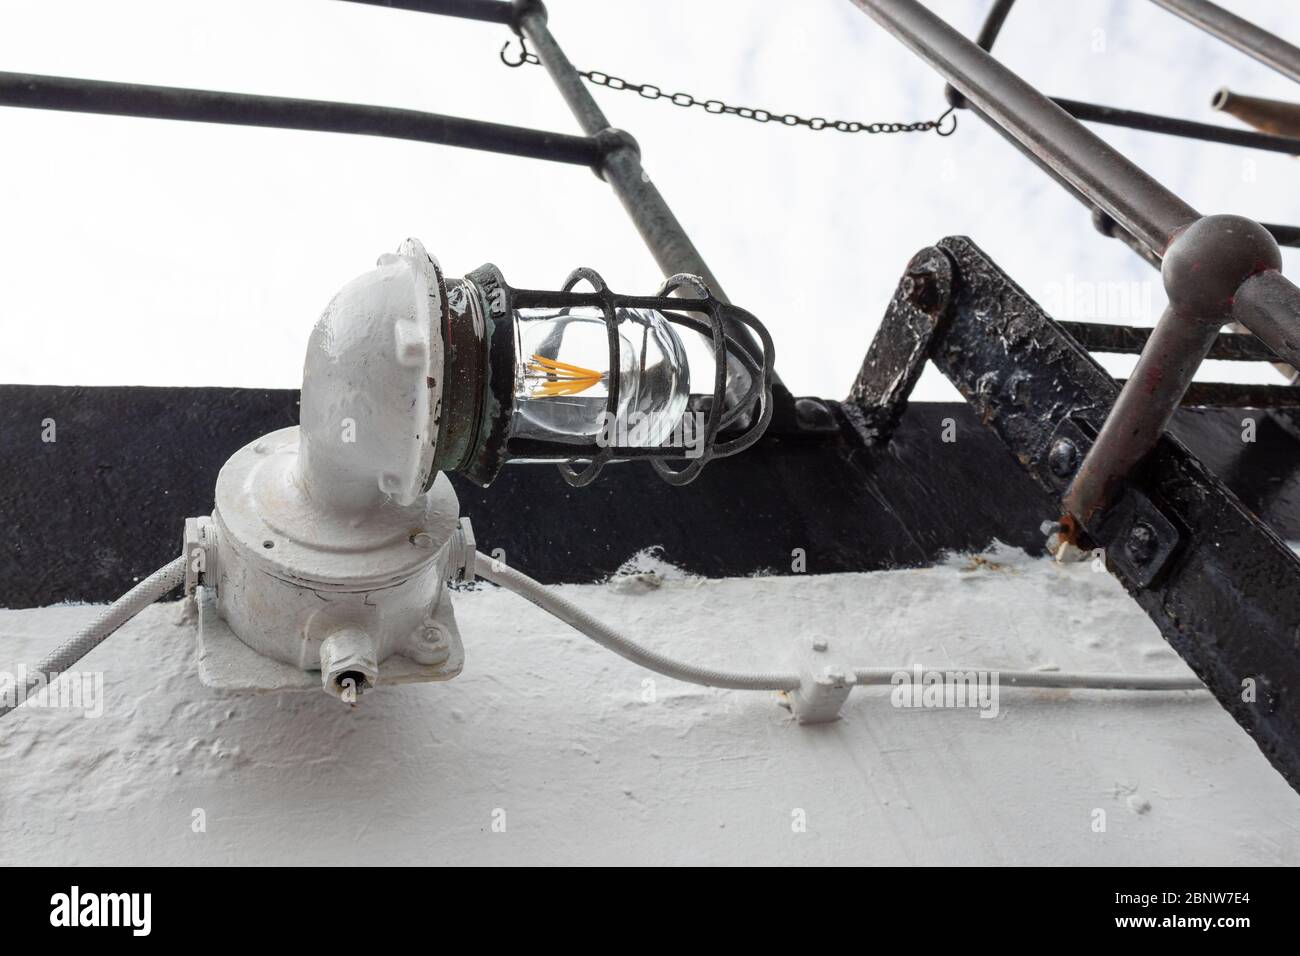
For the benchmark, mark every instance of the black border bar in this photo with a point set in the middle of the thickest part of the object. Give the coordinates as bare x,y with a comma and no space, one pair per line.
34,91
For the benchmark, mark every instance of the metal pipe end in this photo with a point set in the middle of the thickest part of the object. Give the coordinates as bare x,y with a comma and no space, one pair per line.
1277,117
522,9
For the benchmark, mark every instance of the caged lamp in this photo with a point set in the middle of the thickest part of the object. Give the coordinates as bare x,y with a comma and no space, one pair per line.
326,555
593,377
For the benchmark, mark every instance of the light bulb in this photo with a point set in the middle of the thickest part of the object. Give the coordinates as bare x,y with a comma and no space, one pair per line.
587,377
561,385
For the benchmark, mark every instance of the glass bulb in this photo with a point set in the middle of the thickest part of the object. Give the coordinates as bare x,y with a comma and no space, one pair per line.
562,377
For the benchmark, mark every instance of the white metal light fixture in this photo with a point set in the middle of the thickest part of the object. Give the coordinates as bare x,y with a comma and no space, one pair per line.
325,559
593,376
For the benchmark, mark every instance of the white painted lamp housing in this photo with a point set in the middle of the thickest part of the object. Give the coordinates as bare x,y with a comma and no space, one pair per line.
326,557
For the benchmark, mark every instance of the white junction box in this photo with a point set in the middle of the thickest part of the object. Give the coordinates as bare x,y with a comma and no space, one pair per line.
326,557
315,598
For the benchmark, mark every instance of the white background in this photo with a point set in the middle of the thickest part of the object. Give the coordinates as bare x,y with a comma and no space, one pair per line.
137,251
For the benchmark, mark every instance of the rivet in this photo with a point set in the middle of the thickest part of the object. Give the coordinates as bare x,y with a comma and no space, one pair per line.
1142,542
1063,458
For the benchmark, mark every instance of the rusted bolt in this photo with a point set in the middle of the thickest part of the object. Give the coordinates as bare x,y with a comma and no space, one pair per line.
1063,458
911,285
920,291
813,415
1141,543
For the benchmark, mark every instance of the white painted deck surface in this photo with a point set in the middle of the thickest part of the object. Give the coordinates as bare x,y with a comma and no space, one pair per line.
554,731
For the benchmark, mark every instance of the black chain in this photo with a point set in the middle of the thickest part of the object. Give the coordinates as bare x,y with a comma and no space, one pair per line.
651,92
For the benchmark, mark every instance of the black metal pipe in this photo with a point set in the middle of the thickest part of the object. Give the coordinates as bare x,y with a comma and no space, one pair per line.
621,168
1040,128
533,26
988,35
1268,49
1130,340
993,23
1234,395
242,109
1152,123
1285,235
491,11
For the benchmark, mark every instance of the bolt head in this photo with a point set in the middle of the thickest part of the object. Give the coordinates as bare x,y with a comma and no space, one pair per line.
1142,543
1063,458
918,288
813,414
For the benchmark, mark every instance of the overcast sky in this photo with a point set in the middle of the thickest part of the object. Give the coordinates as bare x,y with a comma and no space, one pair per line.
137,251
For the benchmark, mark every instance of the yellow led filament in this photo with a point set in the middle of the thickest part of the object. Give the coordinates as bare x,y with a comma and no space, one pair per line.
560,378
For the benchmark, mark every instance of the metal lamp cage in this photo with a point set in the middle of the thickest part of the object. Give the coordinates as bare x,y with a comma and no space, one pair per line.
702,313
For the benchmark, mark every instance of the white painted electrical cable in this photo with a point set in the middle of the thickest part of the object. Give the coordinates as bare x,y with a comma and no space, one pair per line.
109,620
495,571
885,675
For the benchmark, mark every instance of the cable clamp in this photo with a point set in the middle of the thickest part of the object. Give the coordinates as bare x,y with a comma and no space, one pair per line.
200,553
464,551
824,686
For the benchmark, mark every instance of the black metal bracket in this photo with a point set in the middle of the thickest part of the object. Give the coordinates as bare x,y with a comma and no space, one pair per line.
894,361
1221,586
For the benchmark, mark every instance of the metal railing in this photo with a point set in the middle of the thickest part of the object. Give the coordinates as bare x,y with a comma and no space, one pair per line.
1216,269
611,153
1126,201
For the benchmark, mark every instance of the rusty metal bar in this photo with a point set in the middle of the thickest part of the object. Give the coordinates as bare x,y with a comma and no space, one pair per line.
1212,256
1145,404
1268,49
1205,269
1278,117
1041,129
